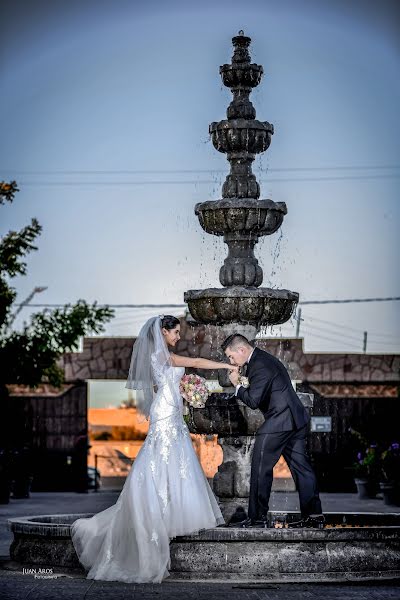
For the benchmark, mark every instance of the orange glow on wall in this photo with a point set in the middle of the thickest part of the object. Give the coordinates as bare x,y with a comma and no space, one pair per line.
206,447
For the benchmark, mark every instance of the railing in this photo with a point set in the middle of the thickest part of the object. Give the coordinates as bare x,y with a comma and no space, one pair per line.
110,458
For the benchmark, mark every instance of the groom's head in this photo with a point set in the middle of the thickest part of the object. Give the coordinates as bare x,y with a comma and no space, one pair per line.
237,349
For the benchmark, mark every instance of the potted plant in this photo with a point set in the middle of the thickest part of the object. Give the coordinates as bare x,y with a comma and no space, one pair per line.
366,467
366,472
390,469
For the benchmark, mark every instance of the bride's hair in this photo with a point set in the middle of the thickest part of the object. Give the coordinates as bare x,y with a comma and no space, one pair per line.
150,355
169,322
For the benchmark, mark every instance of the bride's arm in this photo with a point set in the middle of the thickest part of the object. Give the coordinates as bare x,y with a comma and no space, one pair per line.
199,363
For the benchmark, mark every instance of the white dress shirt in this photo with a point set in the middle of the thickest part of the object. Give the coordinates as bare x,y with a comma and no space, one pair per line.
247,361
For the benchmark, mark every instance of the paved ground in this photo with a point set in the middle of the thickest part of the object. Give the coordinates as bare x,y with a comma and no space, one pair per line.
16,585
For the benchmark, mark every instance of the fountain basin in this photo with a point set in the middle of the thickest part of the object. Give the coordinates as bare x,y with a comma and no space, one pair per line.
259,217
224,414
236,135
249,306
241,74
44,540
368,549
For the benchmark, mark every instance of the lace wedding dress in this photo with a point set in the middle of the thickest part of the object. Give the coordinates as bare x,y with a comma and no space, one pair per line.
166,494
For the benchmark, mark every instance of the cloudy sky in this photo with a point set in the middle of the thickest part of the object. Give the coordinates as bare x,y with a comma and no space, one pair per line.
104,116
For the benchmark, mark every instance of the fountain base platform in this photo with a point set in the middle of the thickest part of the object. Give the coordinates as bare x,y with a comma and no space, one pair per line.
352,547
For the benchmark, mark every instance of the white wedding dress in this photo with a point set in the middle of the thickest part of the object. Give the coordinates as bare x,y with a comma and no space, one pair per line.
166,494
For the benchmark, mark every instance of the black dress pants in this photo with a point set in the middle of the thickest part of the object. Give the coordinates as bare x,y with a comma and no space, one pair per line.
268,448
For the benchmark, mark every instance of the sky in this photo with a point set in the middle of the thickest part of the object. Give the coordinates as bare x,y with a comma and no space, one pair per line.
104,113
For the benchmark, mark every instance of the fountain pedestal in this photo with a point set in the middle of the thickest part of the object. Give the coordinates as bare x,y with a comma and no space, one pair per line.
231,484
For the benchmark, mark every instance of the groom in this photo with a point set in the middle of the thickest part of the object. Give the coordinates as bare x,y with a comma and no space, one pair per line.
283,432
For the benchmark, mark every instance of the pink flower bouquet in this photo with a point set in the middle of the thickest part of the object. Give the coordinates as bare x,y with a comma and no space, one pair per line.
194,390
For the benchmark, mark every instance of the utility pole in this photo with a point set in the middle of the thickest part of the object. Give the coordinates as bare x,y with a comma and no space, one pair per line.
365,341
298,322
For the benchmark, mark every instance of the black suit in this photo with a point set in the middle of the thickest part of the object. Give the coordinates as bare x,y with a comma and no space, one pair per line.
283,432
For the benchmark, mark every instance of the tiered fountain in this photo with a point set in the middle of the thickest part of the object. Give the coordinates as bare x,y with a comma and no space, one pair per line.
241,306
241,216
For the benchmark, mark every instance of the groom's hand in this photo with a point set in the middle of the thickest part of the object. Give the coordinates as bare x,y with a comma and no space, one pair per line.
234,377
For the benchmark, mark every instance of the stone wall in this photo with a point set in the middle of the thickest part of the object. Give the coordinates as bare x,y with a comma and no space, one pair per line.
109,358
101,358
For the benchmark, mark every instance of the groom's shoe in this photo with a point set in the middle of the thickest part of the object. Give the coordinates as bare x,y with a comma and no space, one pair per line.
241,524
314,521
261,523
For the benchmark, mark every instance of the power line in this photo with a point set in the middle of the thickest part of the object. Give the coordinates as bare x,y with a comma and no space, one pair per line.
344,339
123,321
344,301
350,300
336,324
333,178
113,305
387,336
193,171
348,328
336,333
203,181
386,343
310,330
328,339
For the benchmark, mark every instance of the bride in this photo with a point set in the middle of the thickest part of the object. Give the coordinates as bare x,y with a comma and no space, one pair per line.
166,493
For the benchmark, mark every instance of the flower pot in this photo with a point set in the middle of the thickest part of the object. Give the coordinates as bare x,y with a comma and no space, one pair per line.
366,488
391,493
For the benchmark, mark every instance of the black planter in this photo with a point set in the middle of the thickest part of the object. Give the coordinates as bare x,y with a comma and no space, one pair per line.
366,488
391,493
21,487
4,492
5,480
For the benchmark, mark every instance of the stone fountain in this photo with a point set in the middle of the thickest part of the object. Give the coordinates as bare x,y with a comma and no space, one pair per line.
242,306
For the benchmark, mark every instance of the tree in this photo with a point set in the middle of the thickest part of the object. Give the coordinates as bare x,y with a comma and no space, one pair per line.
30,357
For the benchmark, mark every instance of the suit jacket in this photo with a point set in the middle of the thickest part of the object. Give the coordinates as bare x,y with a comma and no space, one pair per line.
271,391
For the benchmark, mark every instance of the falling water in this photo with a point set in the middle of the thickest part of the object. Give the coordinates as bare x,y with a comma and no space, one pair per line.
245,138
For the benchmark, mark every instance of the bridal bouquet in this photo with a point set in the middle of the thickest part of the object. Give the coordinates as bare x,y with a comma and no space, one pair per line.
194,390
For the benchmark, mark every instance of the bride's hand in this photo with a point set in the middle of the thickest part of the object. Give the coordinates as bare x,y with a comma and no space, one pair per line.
232,368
